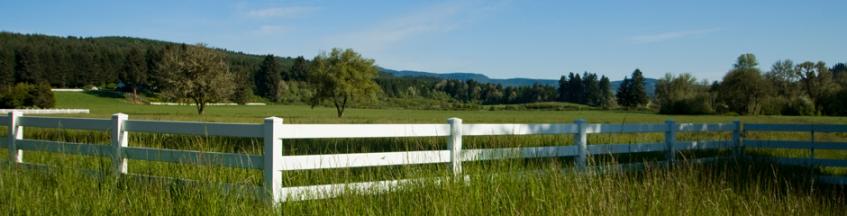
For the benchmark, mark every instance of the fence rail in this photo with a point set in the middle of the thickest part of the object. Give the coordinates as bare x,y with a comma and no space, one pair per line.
273,163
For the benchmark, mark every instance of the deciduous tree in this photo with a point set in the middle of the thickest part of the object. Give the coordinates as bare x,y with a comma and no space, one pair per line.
342,77
198,74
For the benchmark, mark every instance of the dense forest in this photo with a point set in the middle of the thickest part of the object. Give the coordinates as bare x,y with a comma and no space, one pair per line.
134,65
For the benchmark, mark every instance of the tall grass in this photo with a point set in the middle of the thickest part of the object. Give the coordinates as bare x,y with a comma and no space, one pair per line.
523,186
733,187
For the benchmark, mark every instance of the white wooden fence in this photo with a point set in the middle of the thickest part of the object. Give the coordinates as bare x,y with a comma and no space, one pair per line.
811,145
273,163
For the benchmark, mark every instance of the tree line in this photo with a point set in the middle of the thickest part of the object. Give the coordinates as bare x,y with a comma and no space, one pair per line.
807,88
168,71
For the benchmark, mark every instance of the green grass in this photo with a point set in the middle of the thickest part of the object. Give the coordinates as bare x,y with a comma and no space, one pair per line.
742,187
102,107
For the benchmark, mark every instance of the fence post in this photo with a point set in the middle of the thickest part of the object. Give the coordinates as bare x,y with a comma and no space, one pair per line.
581,141
119,141
738,150
272,156
670,141
16,132
454,143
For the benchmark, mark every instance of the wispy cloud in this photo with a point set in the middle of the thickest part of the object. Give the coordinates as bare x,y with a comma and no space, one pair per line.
290,11
271,29
666,36
444,17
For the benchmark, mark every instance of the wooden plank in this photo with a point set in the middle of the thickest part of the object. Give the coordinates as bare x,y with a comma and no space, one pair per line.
194,157
626,128
830,162
831,145
702,145
792,161
66,123
830,128
196,128
788,144
4,142
625,148
717,127
326,191
512,153
64,147
795,144
318,131
778,127
307,162
516,129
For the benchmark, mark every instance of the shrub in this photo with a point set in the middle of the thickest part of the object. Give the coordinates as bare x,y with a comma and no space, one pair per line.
24,95
774,105
41,96
800,106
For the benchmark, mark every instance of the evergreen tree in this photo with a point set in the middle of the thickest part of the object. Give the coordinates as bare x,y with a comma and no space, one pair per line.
592,89
605,87
153,58
299,70
576,91
563,89
267,79
638,91
7,67
623,95
632,92
28,67
134,73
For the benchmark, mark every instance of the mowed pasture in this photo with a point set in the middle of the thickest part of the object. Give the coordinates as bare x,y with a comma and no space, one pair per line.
730,187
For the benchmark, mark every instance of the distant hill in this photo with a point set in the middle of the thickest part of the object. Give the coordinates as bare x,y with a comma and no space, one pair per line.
650,83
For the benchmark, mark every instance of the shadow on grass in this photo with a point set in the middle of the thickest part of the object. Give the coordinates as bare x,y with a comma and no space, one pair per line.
106,94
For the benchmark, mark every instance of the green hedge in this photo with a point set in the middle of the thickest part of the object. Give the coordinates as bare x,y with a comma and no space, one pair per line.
24,95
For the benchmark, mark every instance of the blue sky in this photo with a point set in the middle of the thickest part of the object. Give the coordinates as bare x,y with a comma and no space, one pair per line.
502,39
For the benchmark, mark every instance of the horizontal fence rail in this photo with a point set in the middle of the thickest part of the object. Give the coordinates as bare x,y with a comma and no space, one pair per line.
794,144
196,128
811,145
66,123
273,163
322,131
516,129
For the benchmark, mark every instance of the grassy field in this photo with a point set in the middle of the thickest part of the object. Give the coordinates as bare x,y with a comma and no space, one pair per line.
732,187
103,107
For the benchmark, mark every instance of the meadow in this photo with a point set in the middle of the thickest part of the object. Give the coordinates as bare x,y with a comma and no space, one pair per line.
728,187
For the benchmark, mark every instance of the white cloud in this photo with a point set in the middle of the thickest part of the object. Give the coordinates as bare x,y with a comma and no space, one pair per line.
290,11
666,36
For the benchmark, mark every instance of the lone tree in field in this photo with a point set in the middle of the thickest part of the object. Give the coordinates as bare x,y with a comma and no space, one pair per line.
342,77
198,74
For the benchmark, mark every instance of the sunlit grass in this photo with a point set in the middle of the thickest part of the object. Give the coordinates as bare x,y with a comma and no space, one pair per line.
724,188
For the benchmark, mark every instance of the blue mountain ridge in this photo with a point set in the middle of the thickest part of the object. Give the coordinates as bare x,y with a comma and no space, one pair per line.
649,83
